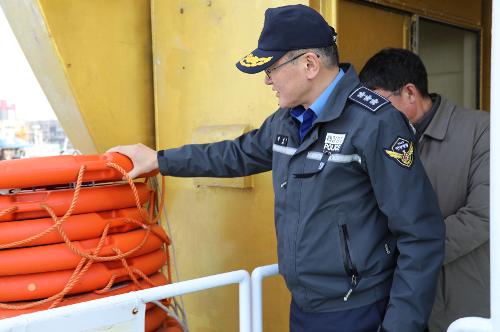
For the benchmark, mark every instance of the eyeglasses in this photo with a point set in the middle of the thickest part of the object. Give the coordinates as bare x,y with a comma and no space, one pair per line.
394,93
270,70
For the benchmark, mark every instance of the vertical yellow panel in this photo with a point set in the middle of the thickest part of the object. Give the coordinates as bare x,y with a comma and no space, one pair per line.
215,229
328,9
105,49
365,29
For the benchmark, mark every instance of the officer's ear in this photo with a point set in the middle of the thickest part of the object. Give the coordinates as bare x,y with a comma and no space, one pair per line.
312,64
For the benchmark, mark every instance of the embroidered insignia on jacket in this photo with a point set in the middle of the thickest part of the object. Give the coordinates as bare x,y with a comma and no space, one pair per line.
254,61
402,152
367,98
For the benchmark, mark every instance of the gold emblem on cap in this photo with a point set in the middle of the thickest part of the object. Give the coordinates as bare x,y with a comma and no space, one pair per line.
254,61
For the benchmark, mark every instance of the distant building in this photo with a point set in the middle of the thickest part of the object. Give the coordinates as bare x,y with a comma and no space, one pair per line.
20,139
11,147
45,132
6,111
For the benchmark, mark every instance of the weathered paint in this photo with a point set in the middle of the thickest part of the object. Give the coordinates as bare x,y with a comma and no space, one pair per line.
104,48
459,12
195,47
361,35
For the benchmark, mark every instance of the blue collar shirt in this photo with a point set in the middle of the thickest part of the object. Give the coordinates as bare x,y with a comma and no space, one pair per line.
318,105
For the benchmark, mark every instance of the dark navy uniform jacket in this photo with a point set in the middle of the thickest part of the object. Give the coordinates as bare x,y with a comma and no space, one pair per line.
356,217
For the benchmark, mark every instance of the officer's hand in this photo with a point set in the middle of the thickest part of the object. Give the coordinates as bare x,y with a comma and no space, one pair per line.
143,158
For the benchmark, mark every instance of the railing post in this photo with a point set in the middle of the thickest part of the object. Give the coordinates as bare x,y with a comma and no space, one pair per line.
245,303
257,275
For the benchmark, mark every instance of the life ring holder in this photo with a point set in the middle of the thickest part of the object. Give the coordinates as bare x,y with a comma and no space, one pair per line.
88,259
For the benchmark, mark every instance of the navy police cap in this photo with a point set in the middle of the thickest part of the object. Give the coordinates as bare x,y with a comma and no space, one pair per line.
287,28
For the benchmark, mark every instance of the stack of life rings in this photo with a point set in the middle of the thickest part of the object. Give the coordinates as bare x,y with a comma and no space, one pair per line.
69,234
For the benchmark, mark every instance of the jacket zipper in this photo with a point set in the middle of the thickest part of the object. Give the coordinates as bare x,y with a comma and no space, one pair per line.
349,266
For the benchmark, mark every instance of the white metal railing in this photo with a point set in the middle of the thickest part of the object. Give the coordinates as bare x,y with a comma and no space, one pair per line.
257,276
126,312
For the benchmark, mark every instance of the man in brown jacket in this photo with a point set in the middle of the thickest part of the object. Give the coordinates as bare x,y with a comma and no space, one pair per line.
453,143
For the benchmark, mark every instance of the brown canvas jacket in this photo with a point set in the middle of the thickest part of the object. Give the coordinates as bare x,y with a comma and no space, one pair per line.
455,152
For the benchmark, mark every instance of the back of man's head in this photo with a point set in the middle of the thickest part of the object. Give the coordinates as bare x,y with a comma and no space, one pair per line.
392,68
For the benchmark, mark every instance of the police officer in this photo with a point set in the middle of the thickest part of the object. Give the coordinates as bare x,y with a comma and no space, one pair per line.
454,145
360,234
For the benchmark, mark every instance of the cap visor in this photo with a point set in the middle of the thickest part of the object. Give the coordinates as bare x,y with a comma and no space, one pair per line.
258,60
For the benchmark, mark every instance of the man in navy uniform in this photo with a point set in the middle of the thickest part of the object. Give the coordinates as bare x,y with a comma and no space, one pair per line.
359,231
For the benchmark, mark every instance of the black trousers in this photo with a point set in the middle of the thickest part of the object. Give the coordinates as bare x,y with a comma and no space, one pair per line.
364,319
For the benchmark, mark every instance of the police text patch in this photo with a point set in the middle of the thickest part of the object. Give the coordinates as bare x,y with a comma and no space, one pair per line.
401,151
367,98
333,142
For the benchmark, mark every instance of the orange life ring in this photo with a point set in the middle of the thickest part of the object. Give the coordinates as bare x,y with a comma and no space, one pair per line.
154,318
158,279
58,257
170,325
42,285
65,261
91,199
77,227
47,171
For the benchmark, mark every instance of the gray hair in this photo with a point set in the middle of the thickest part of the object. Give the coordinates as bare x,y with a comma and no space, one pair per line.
328,55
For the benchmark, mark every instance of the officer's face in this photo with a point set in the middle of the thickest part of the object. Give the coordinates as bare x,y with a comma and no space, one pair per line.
287,81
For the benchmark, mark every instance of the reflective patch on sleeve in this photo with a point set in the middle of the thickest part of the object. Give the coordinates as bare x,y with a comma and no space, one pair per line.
401,151
335,158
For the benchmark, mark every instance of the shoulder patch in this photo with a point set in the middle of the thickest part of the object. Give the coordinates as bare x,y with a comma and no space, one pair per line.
401,151
368,99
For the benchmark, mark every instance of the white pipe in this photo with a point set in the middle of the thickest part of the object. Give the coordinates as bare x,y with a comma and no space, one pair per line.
257,275
138,300
190,286
471,324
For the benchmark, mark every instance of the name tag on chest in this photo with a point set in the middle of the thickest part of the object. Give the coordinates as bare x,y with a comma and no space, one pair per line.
281,140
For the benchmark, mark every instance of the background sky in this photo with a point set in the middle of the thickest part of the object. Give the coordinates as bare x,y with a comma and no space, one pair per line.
18,84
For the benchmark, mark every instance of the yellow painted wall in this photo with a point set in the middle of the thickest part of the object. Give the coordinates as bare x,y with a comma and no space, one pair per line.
105,49
215,229
359,41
